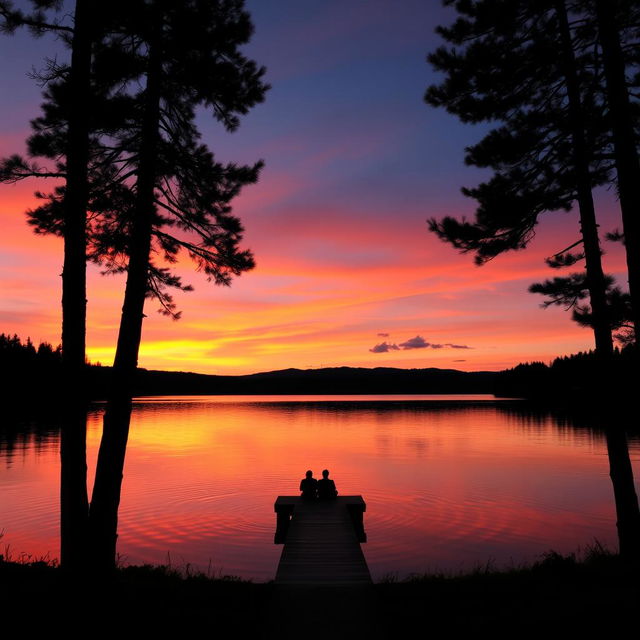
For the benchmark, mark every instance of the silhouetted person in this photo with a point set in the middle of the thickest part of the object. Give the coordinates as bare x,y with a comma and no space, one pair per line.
326,487
309,486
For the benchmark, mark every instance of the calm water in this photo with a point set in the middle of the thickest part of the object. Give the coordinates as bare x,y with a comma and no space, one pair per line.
449,484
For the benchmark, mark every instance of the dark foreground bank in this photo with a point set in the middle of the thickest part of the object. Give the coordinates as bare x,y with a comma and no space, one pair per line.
558,594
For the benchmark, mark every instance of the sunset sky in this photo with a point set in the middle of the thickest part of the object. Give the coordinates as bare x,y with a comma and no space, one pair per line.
355,162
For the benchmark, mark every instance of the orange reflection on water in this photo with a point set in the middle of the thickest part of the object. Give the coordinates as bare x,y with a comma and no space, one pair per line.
448,484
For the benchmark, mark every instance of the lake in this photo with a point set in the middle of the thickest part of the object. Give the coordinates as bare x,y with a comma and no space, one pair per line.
451,482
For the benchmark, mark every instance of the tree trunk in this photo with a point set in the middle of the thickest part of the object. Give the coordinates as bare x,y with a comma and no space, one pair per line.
627,510
588,226
624,139
109,472
73,463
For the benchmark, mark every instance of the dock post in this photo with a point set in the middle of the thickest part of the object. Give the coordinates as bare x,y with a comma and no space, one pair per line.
284,513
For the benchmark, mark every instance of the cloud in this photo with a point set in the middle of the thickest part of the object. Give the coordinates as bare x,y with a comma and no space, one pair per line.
415,343
383,335
459,360
383,347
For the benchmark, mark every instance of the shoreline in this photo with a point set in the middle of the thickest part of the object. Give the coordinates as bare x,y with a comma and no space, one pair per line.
598,589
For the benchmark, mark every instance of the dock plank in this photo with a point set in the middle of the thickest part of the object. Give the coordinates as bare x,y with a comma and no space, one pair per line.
321,546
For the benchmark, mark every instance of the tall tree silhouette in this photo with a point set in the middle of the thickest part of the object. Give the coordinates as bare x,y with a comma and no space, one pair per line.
611,14
188,52
73,467
74,146
552,112
528,65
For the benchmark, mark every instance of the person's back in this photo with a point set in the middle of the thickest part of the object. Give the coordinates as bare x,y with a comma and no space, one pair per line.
326,487
309,486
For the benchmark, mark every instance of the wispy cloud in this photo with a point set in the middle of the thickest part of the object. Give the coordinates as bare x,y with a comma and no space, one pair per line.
418,342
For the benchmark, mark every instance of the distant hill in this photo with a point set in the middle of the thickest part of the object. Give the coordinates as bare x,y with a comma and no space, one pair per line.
335,380
31,371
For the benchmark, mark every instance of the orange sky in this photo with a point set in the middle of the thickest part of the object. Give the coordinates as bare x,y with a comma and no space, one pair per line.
307,311
355,164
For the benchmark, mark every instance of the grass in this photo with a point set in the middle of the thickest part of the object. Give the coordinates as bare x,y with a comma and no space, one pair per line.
587,592
576,593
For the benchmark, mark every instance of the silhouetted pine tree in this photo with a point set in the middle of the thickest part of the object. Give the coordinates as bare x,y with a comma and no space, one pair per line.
525,64
617,24
73,145
188,52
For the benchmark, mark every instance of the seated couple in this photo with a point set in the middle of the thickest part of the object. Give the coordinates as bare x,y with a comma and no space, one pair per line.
312,488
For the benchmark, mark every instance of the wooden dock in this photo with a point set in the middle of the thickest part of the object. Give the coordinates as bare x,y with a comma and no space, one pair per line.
321,541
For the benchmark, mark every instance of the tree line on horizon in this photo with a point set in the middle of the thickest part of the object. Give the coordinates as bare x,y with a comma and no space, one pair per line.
558,81
28,367
135,187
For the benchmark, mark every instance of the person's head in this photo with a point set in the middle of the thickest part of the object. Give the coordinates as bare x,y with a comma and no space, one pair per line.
309,474
325,474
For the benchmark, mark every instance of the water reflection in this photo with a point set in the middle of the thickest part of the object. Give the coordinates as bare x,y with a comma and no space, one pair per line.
448,484
20,437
